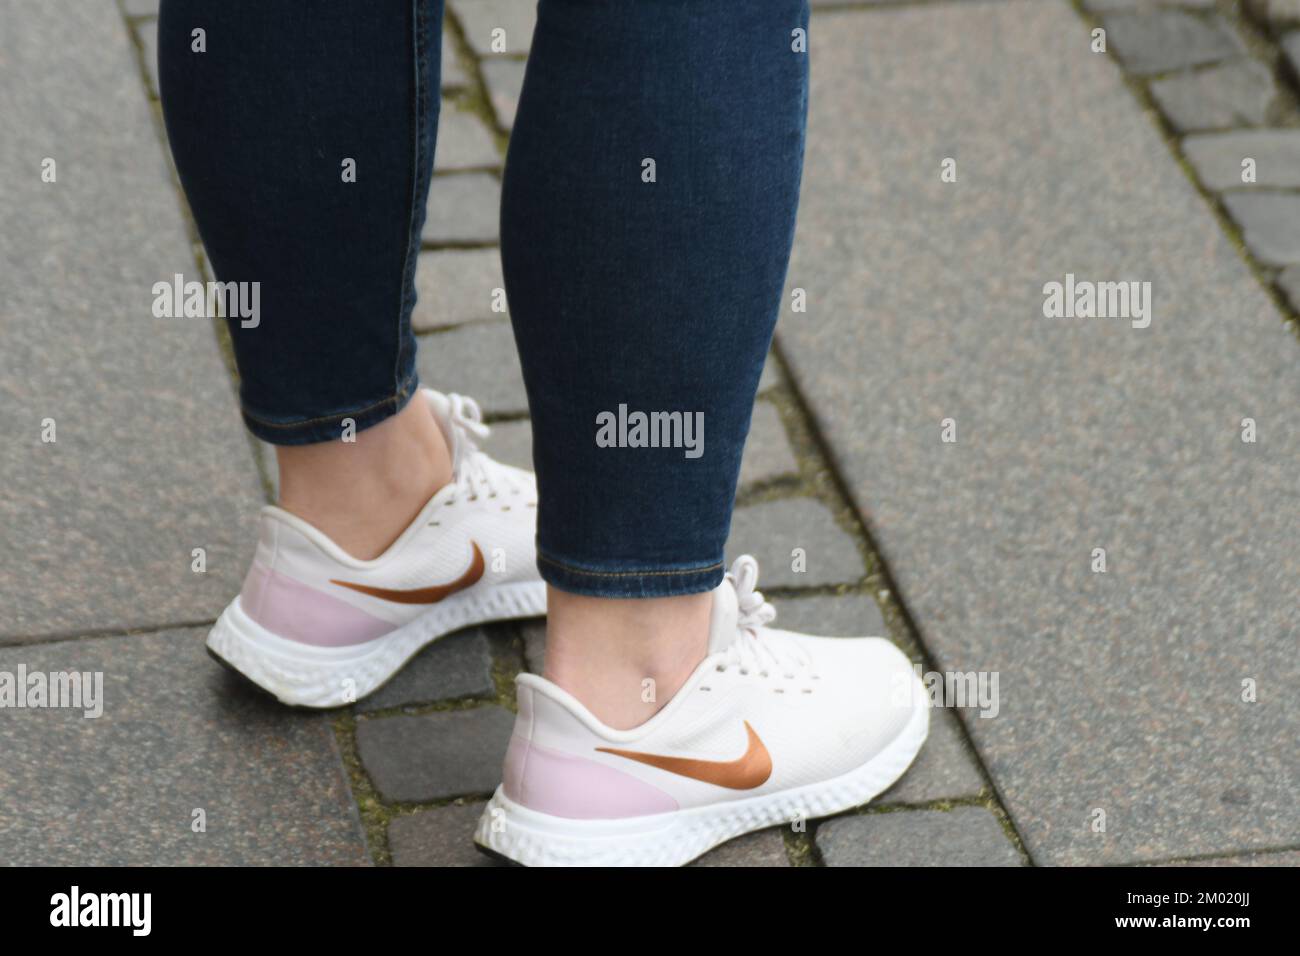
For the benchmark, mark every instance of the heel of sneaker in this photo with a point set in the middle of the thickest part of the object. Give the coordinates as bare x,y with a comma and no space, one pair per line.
294,673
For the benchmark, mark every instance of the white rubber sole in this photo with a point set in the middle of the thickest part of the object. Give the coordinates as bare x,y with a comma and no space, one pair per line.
675,839
307,676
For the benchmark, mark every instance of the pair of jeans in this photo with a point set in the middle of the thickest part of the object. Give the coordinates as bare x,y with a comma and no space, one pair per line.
647,214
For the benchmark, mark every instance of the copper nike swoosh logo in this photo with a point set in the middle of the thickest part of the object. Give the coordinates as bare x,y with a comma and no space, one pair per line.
429,595
750,770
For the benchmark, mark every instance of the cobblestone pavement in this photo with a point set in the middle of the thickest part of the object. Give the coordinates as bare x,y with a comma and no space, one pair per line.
400,778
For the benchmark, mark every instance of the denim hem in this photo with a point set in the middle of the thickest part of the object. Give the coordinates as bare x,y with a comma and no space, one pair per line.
330,427
634,583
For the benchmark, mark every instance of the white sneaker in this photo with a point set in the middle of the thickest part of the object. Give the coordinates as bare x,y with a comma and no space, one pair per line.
772,727
318,628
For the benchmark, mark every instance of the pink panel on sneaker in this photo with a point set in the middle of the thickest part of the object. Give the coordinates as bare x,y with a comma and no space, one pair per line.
563,785
298,612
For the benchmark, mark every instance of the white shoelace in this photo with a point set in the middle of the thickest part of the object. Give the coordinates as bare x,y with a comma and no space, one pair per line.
766,654
475,471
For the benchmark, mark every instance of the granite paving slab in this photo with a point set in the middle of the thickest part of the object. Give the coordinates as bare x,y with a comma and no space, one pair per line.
482,19
1156,41
435,756
767,454
455,286
764,848
1121,692
149,459
462,209
1270,224
773,531
188,765
443,836
463,141
1230,94
458,665
477,360
962,836
505,80
453,74
1217,158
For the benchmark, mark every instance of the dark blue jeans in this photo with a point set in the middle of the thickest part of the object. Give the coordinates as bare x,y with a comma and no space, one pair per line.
648,209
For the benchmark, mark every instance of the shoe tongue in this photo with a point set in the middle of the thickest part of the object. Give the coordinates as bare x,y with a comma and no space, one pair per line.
724,623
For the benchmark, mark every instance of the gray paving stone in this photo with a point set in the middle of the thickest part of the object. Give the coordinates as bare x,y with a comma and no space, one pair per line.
1291,53
1119,691
443,836
770,531
770,377
534,634
147,31
840,615
767,450
462,209
463,142
1270,224
945,769
1236,93
1110,6
504,79
1157,41
177,733
454,286
963,836
1217,158
512,443
453,74
458,665
478,360
764,848
481,17
150,460
435,756
1289,283
140,8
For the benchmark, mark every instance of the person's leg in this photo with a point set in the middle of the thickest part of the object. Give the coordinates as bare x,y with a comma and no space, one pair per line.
304,136
647,217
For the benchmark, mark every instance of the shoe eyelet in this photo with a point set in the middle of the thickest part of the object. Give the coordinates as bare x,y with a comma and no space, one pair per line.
720,669
505,507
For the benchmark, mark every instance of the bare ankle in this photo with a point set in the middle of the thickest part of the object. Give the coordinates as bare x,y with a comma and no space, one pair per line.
625,658
364,494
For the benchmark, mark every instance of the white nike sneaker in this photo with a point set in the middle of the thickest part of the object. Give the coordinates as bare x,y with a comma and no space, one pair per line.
772,727
318,628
